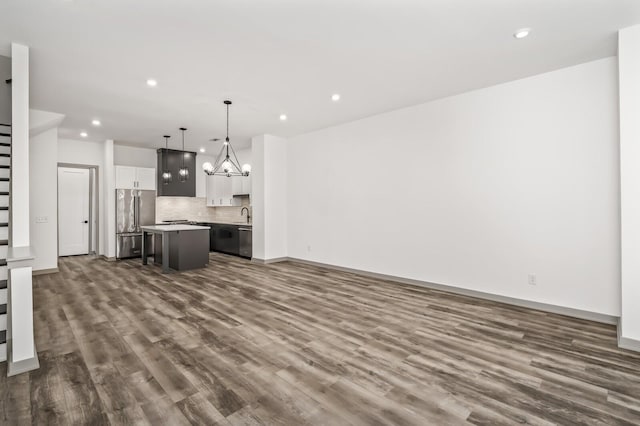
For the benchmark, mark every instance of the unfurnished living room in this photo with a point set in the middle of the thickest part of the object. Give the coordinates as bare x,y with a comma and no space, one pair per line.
319,212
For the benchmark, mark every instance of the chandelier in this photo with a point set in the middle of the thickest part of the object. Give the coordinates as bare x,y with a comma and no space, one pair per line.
227,163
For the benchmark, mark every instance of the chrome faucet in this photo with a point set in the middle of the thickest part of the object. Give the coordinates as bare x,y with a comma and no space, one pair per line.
248,215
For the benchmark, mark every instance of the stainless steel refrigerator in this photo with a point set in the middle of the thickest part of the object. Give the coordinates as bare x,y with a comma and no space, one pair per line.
134,208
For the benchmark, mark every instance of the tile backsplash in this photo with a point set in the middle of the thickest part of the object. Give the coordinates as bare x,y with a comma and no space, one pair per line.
195,209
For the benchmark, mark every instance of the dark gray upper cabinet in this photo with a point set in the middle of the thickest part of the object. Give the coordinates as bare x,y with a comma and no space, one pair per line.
174,162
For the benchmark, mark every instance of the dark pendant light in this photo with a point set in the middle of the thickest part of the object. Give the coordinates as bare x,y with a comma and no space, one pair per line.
183,173
226,164
166,174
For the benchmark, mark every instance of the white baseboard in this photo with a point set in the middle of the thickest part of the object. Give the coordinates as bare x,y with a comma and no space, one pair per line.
561,310
626,342
22,366
45,271
272,260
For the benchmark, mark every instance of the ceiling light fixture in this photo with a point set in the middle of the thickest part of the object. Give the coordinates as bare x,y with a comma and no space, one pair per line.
522,33
183,173
227,165
96,122
283,117
166,174
202,150
335,97
84,134
152,83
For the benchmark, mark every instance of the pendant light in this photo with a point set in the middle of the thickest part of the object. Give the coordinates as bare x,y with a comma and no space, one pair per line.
227,163
166,174
183,173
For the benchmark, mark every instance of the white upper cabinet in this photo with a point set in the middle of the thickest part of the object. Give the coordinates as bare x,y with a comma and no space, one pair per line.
241,185
146,178
135,178
219,191
125,177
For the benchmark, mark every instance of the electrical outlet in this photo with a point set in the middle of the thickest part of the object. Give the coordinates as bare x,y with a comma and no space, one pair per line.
309,248
533,280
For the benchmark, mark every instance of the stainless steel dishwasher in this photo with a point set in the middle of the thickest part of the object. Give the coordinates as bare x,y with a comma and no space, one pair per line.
245,249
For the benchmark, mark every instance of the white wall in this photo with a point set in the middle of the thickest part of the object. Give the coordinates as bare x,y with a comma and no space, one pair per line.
629,74
5,91
474,191
201,177
134,156
43,198
93,154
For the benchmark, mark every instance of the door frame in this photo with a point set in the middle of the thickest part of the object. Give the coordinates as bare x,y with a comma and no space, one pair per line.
94,182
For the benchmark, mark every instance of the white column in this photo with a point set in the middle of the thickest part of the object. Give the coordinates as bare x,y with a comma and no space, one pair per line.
19,222
21,348
269,198
629,80
22,355
109,196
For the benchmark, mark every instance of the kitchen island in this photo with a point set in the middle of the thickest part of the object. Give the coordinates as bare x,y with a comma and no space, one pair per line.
184,247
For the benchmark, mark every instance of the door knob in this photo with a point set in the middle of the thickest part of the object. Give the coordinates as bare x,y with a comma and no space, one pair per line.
86,221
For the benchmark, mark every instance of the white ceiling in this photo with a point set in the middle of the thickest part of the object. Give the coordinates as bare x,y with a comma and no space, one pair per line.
91,58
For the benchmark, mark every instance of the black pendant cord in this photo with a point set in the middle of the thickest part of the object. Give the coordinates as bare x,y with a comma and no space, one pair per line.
227,103
166,174
184,172
166,150
183,129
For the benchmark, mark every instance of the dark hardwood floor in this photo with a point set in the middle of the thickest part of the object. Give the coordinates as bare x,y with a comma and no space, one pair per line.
241,343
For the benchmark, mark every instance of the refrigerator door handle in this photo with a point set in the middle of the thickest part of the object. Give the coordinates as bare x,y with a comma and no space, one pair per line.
135,213
138,213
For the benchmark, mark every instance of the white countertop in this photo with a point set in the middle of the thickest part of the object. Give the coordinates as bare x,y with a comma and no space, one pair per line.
171,228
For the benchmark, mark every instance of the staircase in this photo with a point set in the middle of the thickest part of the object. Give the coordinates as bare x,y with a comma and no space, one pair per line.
5,175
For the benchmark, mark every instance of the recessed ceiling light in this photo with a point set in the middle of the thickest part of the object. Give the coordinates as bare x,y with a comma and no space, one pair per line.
152,83
283,117
335,97
95,122
202,150
84,134
522,33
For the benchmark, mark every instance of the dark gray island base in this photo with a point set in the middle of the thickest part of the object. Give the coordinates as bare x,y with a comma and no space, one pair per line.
184,247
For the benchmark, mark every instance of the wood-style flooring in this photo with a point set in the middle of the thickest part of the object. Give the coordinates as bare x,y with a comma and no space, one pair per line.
246,344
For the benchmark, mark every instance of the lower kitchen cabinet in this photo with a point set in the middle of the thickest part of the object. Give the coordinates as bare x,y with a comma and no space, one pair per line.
230,239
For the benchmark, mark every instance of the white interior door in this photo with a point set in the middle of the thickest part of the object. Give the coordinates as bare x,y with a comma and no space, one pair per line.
73,211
